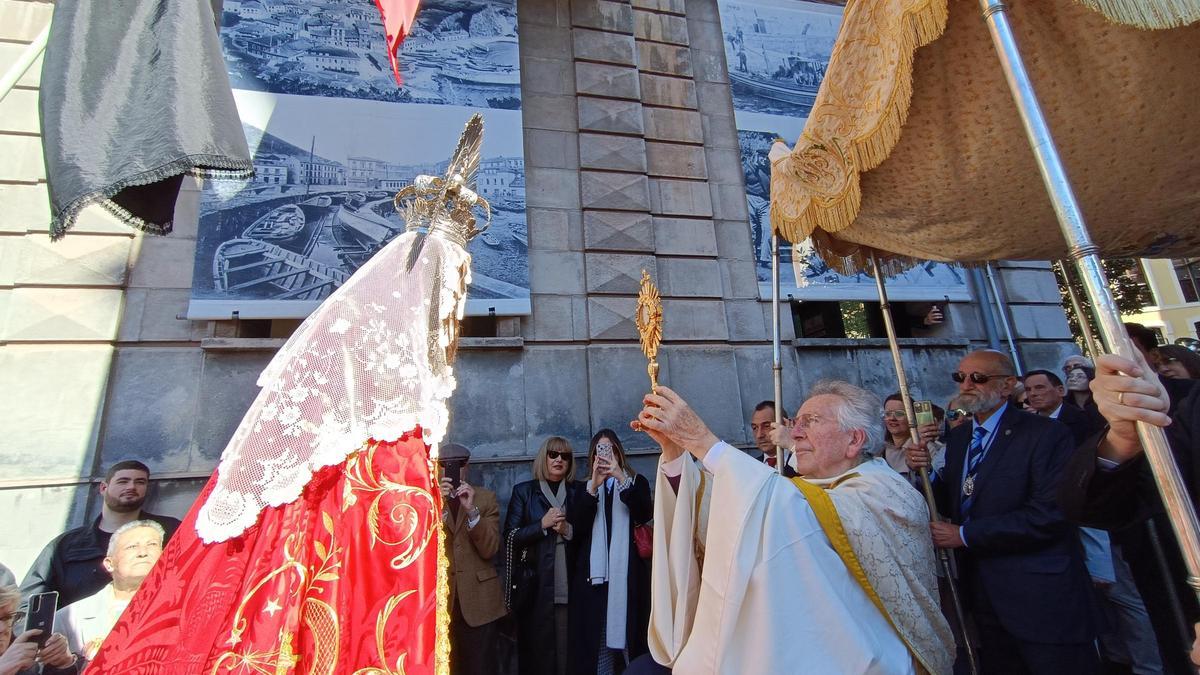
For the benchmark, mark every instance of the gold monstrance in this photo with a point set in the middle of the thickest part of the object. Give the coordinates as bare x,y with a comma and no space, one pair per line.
649,324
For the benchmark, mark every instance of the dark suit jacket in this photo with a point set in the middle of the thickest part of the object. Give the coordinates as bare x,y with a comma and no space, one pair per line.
1022,556
1127,495
1081,424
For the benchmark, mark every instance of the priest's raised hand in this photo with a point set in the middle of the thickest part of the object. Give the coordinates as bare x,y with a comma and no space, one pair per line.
671,422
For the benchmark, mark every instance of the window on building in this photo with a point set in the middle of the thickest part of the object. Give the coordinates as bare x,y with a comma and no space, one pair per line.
855,319
1187,271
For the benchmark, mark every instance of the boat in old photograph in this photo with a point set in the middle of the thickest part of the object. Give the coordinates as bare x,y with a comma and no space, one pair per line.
793,82
257,268
282,222
360,232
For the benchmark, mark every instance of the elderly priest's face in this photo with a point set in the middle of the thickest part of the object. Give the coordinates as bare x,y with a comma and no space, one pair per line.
823,448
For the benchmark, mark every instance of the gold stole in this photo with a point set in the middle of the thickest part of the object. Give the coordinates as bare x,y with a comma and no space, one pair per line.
831,524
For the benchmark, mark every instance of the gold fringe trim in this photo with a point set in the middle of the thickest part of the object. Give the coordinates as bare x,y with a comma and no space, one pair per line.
816,186
1147,14
441,646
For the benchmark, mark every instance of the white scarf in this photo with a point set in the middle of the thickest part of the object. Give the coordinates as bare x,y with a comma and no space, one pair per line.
611,563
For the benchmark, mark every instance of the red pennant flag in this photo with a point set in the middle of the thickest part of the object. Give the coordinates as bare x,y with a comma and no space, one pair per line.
398,17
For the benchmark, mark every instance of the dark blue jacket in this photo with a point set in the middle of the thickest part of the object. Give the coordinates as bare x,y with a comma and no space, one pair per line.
1022,554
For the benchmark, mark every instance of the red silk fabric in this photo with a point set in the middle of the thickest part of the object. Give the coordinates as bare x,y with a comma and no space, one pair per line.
398,17
341,581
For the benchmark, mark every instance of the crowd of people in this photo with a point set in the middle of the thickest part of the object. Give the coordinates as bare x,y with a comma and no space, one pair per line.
1061,550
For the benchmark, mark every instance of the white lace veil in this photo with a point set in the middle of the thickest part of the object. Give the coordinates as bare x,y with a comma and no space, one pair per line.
373,361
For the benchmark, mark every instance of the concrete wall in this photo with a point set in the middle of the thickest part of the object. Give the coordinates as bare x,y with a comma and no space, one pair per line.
632,163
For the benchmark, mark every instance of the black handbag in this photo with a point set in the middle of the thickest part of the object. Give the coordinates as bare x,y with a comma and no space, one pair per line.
519,577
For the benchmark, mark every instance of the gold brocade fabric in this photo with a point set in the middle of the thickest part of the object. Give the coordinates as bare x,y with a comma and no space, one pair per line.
914,146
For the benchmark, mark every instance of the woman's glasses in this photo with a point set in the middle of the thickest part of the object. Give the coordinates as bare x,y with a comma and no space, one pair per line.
1072,366
12,619
558,454
977,378
894,415
954,414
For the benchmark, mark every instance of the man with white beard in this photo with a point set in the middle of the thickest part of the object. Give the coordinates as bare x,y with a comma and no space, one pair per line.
1021,563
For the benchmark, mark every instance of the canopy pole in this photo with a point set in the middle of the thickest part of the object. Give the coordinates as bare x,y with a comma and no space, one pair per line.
1002,310
1081,318
1085,253
30,54
776,346
926,485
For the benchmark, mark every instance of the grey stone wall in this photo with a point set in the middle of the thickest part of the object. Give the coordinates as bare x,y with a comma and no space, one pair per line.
631,163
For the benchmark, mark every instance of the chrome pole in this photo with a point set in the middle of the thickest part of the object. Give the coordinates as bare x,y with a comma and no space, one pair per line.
1002,311
1085,253
24,60
776,347
926,485
1081,318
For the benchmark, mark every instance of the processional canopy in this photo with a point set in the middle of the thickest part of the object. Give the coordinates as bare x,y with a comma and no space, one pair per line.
914,148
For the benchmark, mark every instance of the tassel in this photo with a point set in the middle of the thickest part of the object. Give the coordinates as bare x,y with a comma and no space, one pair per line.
1147,14
798,208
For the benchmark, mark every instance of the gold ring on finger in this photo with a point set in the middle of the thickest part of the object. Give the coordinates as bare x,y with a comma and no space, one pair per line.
1121,398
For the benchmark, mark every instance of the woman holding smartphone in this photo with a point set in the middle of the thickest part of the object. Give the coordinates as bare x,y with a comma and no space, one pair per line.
19,653
537,523
610,610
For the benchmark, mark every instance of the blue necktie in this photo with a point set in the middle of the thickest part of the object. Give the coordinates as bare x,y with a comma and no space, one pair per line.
974,457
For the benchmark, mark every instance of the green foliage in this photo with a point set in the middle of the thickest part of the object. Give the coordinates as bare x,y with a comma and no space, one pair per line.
1129,290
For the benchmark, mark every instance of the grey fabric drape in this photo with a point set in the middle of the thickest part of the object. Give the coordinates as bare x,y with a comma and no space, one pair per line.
135,95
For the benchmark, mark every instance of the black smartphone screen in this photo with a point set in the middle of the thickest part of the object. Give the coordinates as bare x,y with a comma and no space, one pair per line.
41,615
452,469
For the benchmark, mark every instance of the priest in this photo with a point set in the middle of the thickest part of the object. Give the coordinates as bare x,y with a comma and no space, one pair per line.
832,572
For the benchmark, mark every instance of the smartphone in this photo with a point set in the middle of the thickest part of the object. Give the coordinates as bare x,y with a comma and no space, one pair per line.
605,452
452,469
41,615
924,412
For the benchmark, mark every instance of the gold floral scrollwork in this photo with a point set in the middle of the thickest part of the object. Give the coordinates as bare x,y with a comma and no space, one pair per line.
381,642
415,523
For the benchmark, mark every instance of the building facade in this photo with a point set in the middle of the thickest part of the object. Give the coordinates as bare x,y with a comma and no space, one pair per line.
1175,287
631,162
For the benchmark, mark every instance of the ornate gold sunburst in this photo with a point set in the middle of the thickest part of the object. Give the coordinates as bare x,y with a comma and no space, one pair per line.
649,320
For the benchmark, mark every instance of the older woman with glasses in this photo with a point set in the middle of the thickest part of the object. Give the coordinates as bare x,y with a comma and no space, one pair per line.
539,535
19,652
610,612
898,439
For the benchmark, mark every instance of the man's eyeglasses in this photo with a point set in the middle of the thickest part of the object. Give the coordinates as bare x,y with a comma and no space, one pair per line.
12,619
558,454
977,378
894,415
806,421
954,414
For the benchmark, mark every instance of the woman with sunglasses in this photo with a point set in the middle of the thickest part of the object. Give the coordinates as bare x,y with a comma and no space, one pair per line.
537,524
610,612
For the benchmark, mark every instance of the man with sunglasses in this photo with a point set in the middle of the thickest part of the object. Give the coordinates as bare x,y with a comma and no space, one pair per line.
1021,563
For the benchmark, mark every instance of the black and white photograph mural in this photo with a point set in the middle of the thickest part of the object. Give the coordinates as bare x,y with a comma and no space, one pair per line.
777,52
334,138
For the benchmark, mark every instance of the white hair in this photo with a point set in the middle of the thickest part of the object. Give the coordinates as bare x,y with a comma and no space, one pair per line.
859,410
112,542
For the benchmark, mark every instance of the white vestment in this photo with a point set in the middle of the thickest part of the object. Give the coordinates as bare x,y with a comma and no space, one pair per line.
773,595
